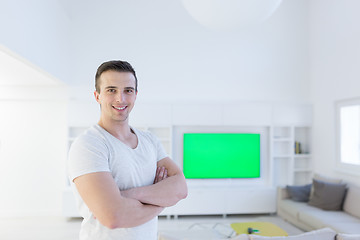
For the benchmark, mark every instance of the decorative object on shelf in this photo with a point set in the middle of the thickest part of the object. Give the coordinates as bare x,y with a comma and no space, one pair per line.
291,155
298,147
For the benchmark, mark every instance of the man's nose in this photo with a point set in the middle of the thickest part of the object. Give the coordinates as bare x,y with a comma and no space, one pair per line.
120,97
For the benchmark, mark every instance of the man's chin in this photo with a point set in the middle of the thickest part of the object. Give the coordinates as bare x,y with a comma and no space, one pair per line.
121,120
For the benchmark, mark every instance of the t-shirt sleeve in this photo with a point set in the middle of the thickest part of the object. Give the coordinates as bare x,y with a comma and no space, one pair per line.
160,151
87,155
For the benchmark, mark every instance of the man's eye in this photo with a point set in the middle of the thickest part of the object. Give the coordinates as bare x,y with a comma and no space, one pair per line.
129,91
111,90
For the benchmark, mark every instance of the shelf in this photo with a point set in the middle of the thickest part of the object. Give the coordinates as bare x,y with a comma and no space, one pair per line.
302,170
282,156
282,139
291,168
303,155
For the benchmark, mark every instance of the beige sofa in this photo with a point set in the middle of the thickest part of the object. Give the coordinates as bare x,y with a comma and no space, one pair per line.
307,217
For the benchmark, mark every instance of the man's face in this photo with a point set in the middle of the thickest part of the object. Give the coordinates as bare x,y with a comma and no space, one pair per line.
117,95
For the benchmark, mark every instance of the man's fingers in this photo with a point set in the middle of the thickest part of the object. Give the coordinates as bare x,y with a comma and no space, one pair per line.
157,175
161,174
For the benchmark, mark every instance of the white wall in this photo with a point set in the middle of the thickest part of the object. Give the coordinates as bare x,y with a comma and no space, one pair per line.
38,30
32,152
176,58
33,139
335,73
179,60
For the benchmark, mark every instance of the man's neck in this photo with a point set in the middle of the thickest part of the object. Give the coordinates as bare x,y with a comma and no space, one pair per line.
120,130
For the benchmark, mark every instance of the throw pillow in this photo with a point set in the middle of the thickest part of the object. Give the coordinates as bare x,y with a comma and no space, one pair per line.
299,193
327,196
324,178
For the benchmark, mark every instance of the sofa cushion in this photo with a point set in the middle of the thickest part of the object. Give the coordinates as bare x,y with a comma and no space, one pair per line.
311,219
327,196
343,236
320,219
321,234
299,193
352,199
293,208
346,227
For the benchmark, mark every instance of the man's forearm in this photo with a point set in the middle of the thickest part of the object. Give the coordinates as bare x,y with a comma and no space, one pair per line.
164,193
102,196
134,213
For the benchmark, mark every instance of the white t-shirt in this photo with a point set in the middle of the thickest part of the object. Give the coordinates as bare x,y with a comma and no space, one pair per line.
97,150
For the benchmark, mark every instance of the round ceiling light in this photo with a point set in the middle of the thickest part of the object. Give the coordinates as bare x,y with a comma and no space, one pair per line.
230,14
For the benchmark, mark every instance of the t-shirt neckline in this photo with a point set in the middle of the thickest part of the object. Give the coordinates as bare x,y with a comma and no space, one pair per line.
118,140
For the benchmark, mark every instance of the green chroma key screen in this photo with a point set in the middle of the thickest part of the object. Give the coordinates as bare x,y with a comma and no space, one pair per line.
221,155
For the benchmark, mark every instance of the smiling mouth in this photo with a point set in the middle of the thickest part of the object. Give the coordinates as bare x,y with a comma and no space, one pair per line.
120,108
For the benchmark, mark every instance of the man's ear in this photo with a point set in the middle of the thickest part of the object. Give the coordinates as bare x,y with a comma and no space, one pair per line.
97,95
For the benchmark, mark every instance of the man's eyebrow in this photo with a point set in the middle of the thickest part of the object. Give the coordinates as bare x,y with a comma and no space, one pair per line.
127,88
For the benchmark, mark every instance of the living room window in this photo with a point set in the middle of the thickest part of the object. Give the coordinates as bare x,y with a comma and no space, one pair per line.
348,135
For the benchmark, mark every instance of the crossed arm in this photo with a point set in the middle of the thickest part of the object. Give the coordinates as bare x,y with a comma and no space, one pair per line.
166,191
132,207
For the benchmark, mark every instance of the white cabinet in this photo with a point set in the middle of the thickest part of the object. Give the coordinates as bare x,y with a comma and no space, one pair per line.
199,201
290,155
225,200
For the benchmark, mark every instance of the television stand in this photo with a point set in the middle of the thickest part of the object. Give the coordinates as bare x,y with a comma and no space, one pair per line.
222,200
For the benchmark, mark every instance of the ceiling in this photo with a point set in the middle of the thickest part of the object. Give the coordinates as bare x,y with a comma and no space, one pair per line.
16,71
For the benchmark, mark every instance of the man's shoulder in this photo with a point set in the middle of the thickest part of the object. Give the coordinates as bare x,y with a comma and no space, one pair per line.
143,133
91,135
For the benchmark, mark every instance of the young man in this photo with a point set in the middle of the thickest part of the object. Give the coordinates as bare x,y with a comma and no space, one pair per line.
123,176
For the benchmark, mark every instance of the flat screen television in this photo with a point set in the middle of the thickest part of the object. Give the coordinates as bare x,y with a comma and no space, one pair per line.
221,155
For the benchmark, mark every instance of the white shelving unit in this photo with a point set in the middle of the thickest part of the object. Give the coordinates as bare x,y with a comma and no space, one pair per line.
289,167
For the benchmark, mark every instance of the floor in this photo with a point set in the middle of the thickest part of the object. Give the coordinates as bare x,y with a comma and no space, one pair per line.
40,228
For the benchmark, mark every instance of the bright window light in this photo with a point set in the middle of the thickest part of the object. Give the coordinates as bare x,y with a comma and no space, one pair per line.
350,134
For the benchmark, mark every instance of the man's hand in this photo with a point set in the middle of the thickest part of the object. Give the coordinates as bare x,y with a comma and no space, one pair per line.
161,174
168,188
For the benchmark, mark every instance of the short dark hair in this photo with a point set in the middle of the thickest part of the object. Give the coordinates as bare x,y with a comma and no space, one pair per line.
114,65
